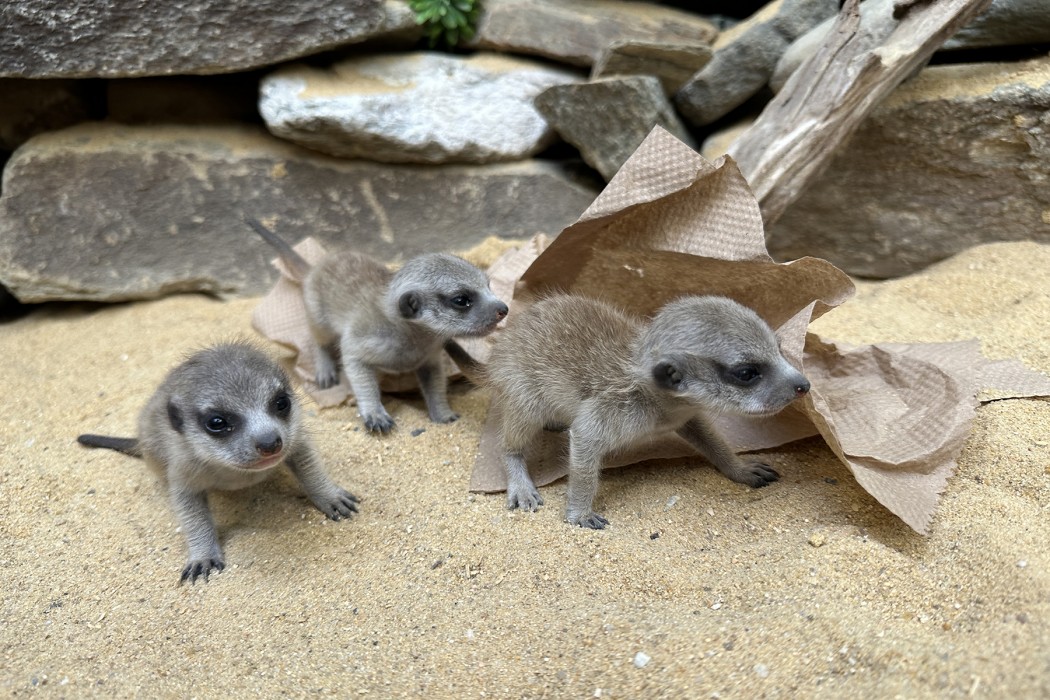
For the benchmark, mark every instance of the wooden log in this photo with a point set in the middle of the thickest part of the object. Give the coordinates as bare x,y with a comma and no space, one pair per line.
829,95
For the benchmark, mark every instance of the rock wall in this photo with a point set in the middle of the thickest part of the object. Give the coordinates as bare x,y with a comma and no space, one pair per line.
136,136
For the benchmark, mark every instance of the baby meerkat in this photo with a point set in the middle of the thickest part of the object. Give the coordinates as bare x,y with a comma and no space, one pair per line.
611,379
375,320
225,419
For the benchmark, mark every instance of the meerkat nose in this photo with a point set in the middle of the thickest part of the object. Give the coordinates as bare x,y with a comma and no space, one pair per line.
269,445
501,311
803,388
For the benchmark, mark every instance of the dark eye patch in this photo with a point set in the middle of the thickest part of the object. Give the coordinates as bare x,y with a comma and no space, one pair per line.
281,404
461,300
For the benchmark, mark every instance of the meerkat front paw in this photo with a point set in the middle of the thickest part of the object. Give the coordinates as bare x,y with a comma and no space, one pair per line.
196,568
379,422
445,417
588,519
327,379
341,504
524,498
756,475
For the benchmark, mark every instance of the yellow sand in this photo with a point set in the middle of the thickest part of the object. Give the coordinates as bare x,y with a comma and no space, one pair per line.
806,588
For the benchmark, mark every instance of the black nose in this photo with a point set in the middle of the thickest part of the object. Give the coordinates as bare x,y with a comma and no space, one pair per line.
802,389
269,444
501,311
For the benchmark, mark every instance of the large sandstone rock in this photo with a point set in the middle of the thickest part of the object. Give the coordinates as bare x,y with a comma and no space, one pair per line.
126,38
606,119
742,66
422,107
112,213
1004,23
956,157
576,32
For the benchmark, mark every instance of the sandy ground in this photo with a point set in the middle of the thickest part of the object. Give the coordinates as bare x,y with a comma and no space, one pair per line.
435,592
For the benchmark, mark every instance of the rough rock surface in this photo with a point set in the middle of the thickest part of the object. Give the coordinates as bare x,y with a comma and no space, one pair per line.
127,38
422,107
576,32
607,119
956,157
673,64
1004,23
138,212
742,67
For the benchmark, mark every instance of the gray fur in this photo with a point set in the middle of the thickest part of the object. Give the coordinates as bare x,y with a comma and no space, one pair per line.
574,361
373,320
225,419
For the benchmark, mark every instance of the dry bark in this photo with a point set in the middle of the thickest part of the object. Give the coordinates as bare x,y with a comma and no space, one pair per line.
831,93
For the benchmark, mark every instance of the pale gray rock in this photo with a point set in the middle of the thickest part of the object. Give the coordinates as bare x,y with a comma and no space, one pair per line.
673,64
31,107
576,32
131,38
105,212
422,107
606,119
742,67
957,157
1004,23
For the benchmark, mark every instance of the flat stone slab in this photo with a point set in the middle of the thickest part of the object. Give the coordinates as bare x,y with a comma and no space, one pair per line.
104,212
421,107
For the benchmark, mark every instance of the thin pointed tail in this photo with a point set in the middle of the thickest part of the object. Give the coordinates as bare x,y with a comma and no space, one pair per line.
295,261
129,446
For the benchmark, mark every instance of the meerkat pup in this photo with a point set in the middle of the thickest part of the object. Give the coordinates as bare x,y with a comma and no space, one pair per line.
225,419
375,320
611,379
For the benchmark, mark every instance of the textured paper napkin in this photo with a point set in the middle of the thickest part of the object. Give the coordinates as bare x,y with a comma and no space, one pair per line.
672,223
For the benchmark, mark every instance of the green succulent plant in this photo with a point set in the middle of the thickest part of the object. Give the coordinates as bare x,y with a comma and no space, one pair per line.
447,21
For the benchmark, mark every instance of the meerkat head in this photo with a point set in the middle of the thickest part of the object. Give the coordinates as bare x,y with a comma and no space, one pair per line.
234,407
719,355
446,294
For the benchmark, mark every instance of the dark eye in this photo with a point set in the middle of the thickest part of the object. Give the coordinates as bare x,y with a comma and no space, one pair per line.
217,425
282,403
746,374
461,301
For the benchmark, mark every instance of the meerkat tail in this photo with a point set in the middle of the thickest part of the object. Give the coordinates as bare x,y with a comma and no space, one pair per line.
295,261
129,446
470,367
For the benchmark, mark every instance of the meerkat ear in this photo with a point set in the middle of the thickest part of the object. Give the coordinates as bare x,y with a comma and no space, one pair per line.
410,305
666,374
174,417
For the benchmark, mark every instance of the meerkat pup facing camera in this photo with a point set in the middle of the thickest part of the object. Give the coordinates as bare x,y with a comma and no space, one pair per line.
374,320
611,379
225,419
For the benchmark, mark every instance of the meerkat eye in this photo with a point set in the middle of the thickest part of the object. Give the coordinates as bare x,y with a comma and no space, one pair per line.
745,374
281,403
217,425
461,301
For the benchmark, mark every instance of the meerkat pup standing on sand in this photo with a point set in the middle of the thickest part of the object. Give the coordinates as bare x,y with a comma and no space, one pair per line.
611,379
375,320
224,419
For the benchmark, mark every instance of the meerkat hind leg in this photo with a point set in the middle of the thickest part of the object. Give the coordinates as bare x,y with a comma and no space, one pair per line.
701,435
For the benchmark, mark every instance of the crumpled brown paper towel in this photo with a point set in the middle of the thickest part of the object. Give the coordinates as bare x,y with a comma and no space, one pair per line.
672,223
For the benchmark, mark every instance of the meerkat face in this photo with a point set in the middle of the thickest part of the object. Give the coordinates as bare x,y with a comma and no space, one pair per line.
238,409
720,355
448,295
